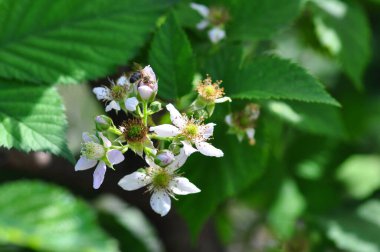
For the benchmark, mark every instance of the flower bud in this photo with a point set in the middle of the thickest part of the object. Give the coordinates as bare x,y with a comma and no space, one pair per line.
155,106
145,92
164,158
103,122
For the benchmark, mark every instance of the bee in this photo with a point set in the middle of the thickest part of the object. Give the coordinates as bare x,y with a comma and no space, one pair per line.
134,77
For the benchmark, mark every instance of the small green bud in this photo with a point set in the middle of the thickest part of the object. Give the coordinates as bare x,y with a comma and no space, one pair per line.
103,123
155,106
175,148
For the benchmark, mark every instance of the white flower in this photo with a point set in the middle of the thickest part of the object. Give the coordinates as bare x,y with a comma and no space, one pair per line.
204,12
93,152
192,132
216,34
116,94
147,86
162,182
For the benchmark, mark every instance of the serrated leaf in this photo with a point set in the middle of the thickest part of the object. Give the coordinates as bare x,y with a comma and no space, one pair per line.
343,28
172,59
45,217
257,19
269,77
32,118
62,41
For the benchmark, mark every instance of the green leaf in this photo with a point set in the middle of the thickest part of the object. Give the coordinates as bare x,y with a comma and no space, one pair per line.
357,230
45,217
172,58
269,77
62,41
32,118
257,19
361,175
286,209
335,22
310,117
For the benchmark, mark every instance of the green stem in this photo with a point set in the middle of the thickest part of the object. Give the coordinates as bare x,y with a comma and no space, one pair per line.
145,113
160,138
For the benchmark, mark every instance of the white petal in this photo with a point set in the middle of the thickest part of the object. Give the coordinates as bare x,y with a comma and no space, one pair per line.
178,162
200,8
131,103
145,92
223,99
84,164
182,186
208,150
151,162
203,24
175,116
160,202
123,81
148,71
165,130
216,34
87,137
250,133
102,93
99,173
107,143
115,156
207,130
134,181
228,119
188,148
113,105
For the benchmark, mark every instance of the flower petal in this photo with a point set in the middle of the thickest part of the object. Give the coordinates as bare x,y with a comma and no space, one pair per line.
99,173
145,92
102,93
115,156
131,103
87,137
175,116
134,181
165,130
208,150
228,119
123,81
188,148
182,186
200,8
207,130
148,71
250,133
107,143
223,99
160,202
203,24
84,164
113,105
216,34
178,162
150,162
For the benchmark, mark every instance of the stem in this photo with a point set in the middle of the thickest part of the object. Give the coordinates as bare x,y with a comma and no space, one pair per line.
160,138
145,113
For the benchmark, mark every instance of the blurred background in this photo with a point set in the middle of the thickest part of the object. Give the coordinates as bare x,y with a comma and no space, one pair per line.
310,182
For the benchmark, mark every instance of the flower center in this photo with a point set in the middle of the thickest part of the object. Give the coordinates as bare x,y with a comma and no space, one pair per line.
218,15
161,179
118,92
210,91
191,131
134,130
93,150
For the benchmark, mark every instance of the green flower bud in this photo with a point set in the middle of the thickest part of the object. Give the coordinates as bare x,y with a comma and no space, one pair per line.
155,106
103,123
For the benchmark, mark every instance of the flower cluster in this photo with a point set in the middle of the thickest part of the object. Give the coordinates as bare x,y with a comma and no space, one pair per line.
164,147
214,18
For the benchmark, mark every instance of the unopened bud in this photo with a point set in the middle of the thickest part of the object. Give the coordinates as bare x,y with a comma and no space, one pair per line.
164,158
155,106
146,93
103,122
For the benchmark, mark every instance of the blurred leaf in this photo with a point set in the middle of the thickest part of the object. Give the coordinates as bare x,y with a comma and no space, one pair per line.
172,58
257,19
342,27
269,77
65,41
311,118
32,119
361,175
356,231
286,209
45,217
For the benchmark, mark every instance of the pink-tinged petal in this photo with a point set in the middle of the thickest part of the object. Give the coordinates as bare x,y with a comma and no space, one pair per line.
115,156
250,133
223,99
107,143
228,119
208,150
182,186
207,130
131,103
203,24
102,93
175,116
165,130
148,71
99,173
188,148
85,164
134,181
113,105
201,9
145,92
216,34
160,202
178,162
